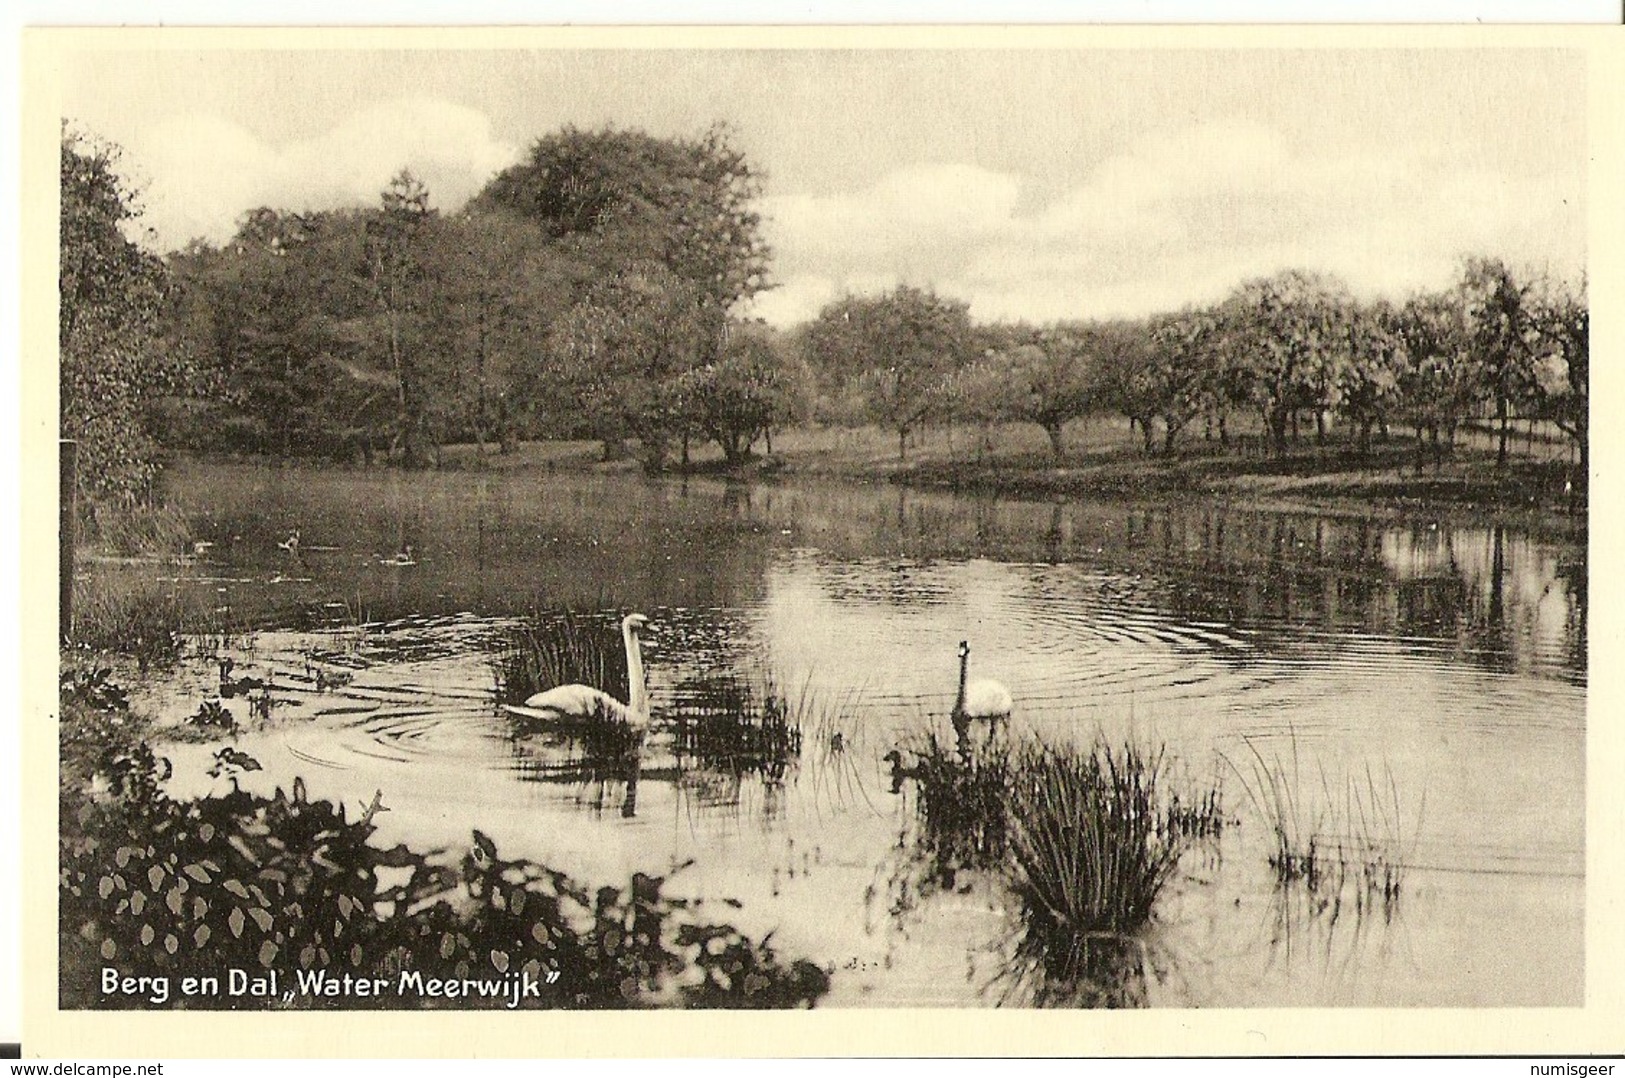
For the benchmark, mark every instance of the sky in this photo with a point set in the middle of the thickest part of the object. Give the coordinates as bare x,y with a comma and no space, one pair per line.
1035,184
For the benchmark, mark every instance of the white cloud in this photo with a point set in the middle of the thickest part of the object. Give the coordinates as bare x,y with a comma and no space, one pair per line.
206,171
1177,216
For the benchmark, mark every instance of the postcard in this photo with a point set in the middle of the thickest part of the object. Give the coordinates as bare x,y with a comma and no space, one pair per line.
1009,541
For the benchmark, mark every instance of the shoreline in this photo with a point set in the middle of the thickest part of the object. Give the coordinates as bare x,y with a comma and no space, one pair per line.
1333,480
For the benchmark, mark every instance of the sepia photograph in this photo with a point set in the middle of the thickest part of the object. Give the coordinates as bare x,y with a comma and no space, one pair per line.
1076,526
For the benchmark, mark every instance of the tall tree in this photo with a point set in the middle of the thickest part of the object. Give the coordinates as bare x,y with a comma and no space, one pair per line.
617,355
396,268
617,201
498,286
112,294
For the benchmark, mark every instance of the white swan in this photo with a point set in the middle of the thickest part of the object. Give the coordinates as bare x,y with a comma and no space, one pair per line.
982,700
583,703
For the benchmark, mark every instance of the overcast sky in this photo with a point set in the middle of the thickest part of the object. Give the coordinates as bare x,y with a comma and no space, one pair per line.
1033,184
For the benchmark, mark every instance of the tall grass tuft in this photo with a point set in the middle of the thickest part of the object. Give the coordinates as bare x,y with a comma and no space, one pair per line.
1356,841
147,624
1086,838
563,648
737,725
1091,838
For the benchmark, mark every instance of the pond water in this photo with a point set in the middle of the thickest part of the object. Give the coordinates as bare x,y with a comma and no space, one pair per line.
1425,678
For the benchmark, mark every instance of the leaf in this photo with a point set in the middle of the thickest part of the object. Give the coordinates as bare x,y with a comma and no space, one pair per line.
105,887
197,873
171,944
268,951
155,876
109,949
261,918
138,902
236,921
174,899
201,936
236,887
147,935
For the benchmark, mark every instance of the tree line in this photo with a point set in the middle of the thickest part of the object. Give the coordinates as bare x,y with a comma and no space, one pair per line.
1290,349
592,291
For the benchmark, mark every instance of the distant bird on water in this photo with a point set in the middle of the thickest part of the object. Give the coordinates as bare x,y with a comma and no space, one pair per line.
291,543
401,558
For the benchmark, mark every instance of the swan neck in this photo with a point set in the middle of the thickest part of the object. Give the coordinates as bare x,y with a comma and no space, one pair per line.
636,692
964,666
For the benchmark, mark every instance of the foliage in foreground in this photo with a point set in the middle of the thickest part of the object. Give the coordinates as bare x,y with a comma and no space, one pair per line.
154,886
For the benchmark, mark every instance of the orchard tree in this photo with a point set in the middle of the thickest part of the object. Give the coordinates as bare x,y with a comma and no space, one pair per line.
898,350
1370,382
1127,379
1498,332
741,398
983,394
1562,368
1052,379
1439,383
1184,359
1292,330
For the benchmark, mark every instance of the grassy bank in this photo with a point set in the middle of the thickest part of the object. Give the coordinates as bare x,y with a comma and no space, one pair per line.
1103,459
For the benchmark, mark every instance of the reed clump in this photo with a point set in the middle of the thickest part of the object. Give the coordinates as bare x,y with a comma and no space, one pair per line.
737,725
1337,842
148,624
1085,838
565,647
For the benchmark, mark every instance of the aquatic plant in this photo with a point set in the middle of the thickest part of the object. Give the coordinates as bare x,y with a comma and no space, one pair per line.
1330,847
1091,838
144,623
1086,839
564,647
737,725
962,805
